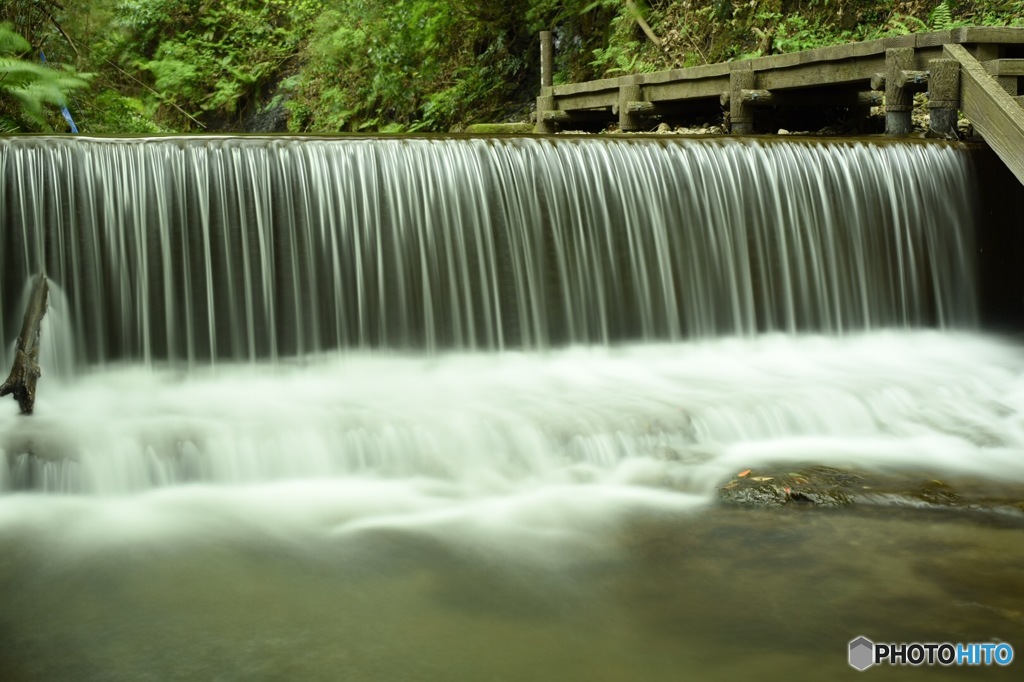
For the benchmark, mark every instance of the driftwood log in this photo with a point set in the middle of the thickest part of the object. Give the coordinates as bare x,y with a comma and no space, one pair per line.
25,370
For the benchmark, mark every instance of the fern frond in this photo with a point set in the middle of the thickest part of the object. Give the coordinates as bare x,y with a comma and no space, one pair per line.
941,18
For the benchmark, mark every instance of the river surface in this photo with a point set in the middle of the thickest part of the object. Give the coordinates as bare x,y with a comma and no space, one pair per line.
506,516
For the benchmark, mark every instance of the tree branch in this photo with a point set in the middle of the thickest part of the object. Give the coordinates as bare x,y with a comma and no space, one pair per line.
635,11
25,370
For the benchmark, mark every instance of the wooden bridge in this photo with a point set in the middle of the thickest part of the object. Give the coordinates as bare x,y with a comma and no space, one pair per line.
976,70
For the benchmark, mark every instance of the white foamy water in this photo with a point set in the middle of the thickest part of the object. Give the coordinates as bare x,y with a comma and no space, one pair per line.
527,336
520,441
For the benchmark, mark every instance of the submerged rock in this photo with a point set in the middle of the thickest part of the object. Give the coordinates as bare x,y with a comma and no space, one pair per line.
826,487
815,486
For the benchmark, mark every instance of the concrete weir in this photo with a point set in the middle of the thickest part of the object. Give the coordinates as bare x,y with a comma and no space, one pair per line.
976,70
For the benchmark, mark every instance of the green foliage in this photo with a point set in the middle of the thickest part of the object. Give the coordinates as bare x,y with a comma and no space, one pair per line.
721,30
795,32
35,21
410,65
12,43
395,65
941,18
207,59
109,111
27,87
623,54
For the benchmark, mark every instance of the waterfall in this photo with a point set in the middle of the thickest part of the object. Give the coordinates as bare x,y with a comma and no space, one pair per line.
494,315
441,409
199,250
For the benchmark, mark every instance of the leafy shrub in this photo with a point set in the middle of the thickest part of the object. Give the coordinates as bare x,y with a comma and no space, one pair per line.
408,65
27,87
208,59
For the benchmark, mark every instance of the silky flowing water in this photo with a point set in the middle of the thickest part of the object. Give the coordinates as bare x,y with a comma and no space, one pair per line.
439,409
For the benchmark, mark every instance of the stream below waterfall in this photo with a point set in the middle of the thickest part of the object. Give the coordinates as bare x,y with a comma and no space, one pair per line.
461,409
506,517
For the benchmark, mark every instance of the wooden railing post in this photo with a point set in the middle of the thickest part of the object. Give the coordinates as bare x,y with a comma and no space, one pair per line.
943,96
899,99
546,100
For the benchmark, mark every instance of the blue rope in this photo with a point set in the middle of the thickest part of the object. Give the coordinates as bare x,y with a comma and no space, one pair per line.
63,107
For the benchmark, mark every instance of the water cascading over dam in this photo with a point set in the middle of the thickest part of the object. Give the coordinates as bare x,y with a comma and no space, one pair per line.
531,309
390,408
242,250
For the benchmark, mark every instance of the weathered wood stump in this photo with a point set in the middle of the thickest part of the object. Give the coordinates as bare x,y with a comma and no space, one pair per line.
25,370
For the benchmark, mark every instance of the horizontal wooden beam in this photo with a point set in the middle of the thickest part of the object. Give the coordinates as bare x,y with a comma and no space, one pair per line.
687,90
870,98
635,107
764,97
586,88
913,79
555,116
690,73
986,34
588,101
1005,67
810,75
803,98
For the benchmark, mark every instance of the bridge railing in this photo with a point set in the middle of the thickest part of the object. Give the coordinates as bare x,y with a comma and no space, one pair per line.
974,70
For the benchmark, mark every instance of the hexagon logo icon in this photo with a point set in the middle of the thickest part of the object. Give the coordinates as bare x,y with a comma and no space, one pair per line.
862,653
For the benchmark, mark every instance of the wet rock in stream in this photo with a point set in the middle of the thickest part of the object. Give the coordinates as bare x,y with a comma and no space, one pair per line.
827,487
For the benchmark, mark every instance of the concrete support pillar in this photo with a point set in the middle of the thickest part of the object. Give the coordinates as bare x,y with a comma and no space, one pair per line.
547,59
943,96
898,100
629,121
546,101
741,111
545,126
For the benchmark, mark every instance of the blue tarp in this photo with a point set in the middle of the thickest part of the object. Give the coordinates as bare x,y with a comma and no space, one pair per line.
63,108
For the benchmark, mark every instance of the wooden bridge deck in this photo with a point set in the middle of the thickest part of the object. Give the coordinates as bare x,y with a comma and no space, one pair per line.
988,61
